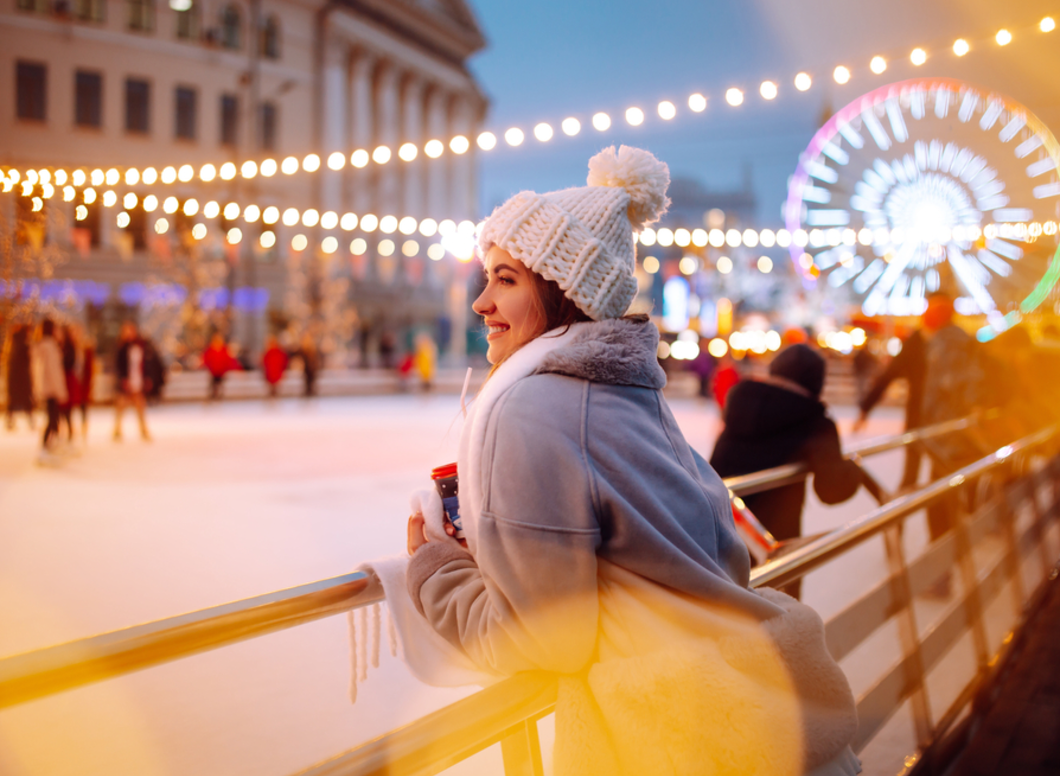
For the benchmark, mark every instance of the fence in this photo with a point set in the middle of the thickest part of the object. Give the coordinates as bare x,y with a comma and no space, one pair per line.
1011,493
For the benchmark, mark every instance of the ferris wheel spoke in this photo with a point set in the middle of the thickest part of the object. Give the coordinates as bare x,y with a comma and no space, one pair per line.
966,275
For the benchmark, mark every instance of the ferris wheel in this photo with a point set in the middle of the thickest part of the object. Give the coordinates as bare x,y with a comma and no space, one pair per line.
929,184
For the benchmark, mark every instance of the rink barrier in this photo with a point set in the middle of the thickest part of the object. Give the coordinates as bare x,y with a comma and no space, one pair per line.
62,667
508,713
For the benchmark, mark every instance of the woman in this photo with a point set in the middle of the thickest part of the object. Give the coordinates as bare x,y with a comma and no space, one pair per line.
599,545
53,387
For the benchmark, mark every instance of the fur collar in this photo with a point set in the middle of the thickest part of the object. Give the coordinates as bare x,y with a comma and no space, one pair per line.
612,352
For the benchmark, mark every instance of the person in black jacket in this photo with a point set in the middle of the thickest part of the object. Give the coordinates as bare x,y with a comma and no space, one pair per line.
779,421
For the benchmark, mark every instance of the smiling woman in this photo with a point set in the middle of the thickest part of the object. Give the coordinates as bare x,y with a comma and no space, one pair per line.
599,545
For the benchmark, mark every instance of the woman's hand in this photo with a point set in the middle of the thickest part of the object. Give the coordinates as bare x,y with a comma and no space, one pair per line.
417,533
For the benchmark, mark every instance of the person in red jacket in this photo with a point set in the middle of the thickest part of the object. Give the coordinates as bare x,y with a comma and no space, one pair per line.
725,377
274,363
218,361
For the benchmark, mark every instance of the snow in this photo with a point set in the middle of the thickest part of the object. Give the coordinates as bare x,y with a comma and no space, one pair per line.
232,500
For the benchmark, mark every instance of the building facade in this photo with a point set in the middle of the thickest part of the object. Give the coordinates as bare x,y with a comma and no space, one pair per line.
138,85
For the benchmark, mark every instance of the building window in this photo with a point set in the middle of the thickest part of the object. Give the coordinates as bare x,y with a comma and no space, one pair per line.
141,15
270,38
33,6
187,18
269,126
137,106
231,28
185,115
89,10
31,88
88,99
229,120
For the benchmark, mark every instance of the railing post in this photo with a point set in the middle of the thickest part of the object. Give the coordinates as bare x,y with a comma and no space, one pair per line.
973,603
521,750
1040,517
1007,516
908,633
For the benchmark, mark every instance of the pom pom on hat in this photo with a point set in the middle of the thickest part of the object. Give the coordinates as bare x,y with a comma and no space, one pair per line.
643,177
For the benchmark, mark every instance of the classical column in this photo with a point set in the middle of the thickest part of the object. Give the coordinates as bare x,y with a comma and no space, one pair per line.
386,104
412,131
462,121
437,172
334,90
362,131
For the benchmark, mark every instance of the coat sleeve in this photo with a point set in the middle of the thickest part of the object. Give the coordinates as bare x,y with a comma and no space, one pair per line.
899,368
525,596
835,478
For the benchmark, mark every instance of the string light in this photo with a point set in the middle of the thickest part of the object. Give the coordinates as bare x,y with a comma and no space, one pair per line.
207,173
961,47
487,141
185,173
381,155
878,65
514,136
249,169
329,220
337,160
634,117
311,162
268,168
768,90
571,126
841,75
407,153
211,209
666,110
601,122
1003,37
360,158
918,56
459,145
191,207
734,97
267,239
1048,24
543,132
697,103
433,148
289,166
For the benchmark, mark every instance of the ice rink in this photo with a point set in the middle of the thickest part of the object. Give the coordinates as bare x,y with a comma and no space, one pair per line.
234,500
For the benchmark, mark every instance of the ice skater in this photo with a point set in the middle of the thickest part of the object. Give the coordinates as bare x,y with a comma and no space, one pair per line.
131,382
52,389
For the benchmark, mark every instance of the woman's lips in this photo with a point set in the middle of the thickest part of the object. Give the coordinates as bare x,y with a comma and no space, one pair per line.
496,330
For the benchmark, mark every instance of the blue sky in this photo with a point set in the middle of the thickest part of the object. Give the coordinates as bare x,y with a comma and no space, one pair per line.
552,58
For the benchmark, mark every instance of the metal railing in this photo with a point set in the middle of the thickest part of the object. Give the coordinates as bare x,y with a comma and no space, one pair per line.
508,712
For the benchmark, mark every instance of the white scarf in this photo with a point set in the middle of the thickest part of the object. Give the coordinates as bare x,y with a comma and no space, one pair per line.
431,658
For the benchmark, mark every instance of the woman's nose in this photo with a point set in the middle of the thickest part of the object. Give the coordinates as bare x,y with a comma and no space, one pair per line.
483,305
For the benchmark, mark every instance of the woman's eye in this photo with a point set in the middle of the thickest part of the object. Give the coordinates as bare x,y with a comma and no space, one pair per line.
505,281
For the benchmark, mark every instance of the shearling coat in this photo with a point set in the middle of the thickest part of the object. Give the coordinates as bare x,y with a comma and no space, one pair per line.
601,547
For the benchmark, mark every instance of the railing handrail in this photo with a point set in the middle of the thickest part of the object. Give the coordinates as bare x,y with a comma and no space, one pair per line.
46,671
767,479
50,670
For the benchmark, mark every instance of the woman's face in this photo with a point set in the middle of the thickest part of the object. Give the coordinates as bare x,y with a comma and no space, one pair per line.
508,306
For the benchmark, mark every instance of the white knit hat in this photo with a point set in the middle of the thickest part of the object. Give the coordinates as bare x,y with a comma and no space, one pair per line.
582,238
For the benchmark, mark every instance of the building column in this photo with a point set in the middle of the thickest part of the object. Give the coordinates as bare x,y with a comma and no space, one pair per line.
387,132
462,121
335,89
437,170
412,131
361,130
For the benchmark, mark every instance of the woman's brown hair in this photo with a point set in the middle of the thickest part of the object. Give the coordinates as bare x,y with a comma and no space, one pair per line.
557,311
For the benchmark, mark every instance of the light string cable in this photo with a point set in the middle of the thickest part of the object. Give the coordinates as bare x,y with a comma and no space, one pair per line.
488,140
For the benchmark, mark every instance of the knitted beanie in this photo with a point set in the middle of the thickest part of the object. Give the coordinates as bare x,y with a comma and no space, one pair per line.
582,238
803,366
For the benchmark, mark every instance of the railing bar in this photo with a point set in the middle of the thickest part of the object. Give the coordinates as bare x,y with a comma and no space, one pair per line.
449,734
65,666
793,565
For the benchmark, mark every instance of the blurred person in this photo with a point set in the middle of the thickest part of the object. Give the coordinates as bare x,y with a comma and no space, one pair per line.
865,368
703,366
387,348
72,367
218,362
426,359
726,376
19,374
600,547
274,363
910,364
52,388
782,420
154,371
956,383
310,357
131,380
87,378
